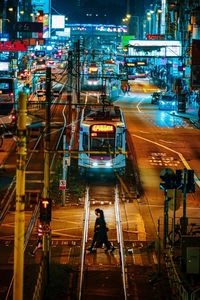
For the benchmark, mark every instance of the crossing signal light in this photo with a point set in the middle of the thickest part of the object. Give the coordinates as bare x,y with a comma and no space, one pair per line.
45,210
190,186
168,179
179,179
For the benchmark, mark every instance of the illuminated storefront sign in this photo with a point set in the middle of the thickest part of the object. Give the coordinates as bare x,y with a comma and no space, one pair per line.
16,45
58,22
102,128
154,48
155,36
41,5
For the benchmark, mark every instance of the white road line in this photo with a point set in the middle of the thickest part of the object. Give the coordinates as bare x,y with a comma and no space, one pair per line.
185,163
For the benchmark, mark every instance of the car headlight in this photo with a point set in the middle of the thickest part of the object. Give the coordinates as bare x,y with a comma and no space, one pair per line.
108,164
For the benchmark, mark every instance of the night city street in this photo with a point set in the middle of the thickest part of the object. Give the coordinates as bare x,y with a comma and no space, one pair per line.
99,150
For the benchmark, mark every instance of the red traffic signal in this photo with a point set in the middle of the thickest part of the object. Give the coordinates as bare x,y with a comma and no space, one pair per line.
40,16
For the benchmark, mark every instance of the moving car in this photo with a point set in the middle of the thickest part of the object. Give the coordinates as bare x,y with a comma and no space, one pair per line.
155,97
167,101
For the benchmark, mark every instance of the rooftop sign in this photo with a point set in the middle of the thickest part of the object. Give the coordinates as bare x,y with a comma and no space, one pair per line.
154,48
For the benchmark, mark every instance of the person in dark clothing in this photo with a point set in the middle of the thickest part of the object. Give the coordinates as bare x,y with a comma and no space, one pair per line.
100,233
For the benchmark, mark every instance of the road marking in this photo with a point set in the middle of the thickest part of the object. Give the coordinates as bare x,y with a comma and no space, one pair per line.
168,142
185,163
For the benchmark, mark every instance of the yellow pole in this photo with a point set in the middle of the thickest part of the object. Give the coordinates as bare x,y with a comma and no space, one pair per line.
20,200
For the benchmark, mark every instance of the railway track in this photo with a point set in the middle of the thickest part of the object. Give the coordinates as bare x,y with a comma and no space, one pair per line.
123,274
116,275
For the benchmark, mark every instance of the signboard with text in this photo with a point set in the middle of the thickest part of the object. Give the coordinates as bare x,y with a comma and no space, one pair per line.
155,48
62,184
29,27
155,36
16,45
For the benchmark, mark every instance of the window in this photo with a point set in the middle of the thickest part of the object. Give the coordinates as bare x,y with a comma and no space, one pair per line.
85,141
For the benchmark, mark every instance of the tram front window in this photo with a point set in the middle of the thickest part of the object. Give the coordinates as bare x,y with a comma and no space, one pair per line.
102,144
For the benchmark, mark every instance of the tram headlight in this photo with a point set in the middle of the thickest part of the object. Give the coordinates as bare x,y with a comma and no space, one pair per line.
108,164
95,164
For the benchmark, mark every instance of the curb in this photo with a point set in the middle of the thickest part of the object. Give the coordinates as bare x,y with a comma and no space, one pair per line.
192,121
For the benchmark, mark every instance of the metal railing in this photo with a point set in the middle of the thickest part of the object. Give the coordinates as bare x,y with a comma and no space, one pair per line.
120,241
177,287
84,241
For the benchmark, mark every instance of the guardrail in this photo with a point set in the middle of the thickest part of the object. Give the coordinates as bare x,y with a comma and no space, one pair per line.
178,289
84,241
120,241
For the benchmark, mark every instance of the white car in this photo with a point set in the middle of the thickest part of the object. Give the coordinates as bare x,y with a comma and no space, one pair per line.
167,101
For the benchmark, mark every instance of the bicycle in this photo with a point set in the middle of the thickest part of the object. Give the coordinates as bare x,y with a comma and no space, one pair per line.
194,230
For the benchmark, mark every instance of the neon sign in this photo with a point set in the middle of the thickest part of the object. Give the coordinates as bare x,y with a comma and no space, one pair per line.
102,128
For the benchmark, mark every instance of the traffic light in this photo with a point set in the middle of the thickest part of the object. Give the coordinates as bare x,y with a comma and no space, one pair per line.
169,179
190,186
40,16
27,88
45,210
179,179
168,183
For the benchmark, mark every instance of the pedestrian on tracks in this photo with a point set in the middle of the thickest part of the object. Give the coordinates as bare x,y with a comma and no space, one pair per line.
39,239
100,236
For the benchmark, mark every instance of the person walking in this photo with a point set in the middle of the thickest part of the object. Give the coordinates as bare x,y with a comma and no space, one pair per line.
39,239
100,236
127,89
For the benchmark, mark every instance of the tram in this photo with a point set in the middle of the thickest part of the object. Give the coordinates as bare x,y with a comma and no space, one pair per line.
102,140
93,76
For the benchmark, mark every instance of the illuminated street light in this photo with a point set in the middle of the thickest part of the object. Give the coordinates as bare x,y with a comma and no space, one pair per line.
10,9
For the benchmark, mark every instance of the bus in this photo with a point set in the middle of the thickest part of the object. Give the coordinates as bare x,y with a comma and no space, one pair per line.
102,140
8,103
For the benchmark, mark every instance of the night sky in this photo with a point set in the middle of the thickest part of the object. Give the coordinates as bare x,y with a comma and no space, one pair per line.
106,12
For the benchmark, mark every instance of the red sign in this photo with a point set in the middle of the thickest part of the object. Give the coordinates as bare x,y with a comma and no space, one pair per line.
62,184
155,36
16,45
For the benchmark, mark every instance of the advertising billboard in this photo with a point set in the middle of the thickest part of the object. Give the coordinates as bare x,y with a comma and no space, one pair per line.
58,22
4,66
155,48
41,5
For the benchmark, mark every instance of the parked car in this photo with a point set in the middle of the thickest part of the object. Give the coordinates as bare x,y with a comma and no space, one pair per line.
167,101
155,97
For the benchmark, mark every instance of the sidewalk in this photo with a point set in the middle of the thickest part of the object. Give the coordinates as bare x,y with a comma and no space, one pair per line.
191,114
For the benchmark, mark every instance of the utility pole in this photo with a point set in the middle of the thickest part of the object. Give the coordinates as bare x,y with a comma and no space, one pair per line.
20,200
78,70
69,97
46,192
184,219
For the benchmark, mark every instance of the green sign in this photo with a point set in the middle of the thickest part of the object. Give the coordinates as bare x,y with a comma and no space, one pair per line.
126,39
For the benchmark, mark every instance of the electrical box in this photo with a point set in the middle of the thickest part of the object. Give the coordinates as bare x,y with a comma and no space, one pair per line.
193,260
